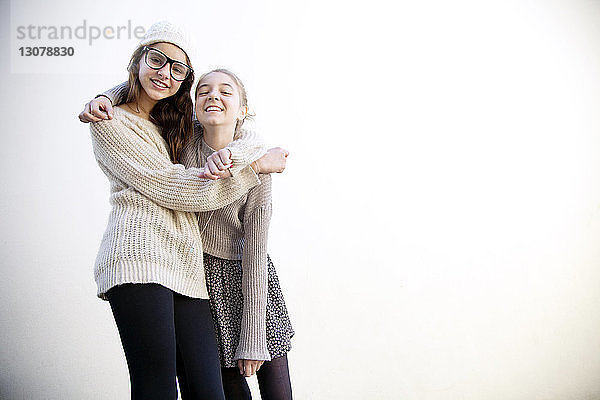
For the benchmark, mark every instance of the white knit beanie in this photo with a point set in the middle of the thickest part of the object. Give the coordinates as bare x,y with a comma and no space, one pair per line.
165,31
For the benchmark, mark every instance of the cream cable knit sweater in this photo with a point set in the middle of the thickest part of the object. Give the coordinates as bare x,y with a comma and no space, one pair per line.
152,234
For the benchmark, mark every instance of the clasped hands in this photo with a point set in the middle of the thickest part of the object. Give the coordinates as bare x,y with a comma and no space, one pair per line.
218,163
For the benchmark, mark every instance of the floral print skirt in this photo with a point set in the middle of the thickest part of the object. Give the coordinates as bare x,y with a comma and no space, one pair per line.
224,283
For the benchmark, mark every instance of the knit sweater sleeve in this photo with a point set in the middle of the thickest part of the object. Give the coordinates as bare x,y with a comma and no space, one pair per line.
128,155
247,146
257,216
117,95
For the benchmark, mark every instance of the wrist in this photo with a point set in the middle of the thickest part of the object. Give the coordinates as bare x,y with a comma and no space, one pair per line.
103,95
255,167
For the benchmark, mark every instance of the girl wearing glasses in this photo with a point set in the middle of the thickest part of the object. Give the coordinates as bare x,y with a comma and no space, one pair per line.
149,265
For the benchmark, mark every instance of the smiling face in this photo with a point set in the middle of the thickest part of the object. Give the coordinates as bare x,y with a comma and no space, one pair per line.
158,84
218,101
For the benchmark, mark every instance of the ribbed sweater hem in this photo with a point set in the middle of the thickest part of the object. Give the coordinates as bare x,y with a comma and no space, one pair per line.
137,272
252,355
225,254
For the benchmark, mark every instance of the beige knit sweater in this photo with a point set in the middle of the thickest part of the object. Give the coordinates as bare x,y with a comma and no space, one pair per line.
152,233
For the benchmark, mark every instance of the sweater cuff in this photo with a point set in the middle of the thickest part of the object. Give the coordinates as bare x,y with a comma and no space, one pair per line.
252,355
253,349
117,94
245,176
237,167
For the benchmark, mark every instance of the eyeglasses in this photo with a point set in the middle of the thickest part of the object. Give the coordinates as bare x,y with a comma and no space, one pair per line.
156,59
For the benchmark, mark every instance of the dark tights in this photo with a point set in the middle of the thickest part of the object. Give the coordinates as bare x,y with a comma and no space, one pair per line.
163,334
273,381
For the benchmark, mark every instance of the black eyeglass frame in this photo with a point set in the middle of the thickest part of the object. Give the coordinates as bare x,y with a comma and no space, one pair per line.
170,61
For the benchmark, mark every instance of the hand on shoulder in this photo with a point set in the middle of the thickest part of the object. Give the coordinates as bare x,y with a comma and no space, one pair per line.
96,110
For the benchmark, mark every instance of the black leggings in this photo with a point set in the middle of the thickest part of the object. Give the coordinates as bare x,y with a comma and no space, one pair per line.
160,329
273,381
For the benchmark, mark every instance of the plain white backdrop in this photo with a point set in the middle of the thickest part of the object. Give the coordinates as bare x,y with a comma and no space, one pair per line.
436,231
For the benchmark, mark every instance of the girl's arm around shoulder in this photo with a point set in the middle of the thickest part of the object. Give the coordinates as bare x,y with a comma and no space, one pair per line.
101,107
117,95
120,145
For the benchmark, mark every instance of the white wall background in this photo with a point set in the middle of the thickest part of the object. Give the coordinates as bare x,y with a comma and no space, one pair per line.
436,231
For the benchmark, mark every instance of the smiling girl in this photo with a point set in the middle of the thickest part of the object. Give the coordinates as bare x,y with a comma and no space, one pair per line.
251,319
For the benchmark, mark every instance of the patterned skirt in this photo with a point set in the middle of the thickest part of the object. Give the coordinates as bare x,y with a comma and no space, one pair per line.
224,283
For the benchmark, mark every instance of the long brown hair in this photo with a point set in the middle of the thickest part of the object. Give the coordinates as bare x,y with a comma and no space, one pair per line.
172,114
